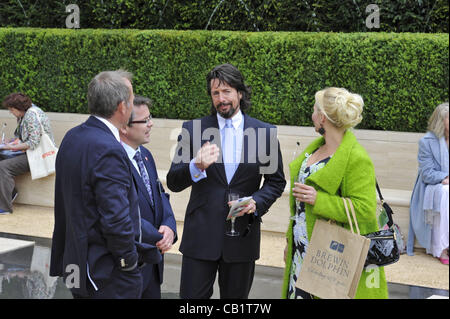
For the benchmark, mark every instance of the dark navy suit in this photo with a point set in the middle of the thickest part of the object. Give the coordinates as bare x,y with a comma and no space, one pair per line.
152,219
97,221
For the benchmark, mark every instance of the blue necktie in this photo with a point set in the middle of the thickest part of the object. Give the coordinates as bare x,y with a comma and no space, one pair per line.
144,175
229,149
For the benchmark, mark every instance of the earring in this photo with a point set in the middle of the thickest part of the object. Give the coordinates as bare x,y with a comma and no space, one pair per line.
321,130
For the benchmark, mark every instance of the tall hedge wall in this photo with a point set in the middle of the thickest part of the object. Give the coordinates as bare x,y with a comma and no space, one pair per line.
402,77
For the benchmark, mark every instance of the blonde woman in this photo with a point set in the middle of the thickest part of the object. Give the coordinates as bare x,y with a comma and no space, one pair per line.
333,166
429,201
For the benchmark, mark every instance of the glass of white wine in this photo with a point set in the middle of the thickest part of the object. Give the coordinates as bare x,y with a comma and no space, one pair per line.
232,232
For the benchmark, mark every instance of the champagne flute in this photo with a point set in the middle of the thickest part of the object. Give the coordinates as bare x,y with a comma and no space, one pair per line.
233,232
3,133
297,202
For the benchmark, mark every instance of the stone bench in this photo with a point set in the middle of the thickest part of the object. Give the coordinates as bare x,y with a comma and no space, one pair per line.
394,155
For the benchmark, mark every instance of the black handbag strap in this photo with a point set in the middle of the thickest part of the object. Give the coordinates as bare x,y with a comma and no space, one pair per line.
386,207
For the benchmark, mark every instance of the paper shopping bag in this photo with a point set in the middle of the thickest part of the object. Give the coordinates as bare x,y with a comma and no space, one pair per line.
42,159
334,261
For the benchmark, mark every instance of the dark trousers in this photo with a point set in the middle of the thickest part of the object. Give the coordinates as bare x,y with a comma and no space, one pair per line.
198,277
9,169
151,282
122,285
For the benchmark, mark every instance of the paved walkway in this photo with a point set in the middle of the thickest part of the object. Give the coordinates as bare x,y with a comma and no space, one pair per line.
419,270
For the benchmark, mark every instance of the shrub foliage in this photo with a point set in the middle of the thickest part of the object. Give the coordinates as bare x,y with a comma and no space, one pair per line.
402,77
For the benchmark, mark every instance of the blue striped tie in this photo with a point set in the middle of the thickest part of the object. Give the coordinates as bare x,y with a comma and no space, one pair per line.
229,149
144,175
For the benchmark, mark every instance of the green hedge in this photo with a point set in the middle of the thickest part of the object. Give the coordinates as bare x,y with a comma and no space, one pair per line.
402,77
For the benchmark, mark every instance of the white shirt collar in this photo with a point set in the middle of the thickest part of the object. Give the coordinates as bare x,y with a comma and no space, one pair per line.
113,129
235,120
130,151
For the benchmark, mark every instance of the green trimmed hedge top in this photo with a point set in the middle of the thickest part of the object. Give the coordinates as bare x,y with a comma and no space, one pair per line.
402,77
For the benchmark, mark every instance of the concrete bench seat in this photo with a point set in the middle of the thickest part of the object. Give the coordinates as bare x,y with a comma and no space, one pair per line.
39,192
394,155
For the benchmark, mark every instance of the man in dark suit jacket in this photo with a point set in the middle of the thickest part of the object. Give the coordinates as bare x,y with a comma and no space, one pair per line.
251,151
158,220
97,241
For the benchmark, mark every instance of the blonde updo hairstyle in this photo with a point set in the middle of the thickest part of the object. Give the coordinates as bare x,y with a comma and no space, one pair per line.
341,107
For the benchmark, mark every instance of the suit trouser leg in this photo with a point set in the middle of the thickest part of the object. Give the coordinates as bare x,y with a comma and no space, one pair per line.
10,168
198,276
122,285
236,279
151,283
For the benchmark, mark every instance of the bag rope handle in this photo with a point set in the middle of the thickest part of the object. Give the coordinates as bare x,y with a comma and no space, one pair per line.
353,214
39,120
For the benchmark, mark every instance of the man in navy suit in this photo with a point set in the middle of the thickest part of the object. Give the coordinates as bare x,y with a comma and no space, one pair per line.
158,220
97,244
226,152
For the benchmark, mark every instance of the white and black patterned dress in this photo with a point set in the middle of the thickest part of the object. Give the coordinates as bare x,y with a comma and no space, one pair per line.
299,231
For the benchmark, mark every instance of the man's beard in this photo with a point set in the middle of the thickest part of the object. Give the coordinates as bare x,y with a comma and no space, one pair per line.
227,114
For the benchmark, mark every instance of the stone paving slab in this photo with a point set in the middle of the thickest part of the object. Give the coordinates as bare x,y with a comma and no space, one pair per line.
419,270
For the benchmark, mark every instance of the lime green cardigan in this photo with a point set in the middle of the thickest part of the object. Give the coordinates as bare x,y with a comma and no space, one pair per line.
351,172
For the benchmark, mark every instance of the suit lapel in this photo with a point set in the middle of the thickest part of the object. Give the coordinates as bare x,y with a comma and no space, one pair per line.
141,185
152,177
218,168
94,122
248,154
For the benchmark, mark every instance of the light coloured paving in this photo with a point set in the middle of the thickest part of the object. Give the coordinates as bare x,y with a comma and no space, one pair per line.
419,270
394,155
8,245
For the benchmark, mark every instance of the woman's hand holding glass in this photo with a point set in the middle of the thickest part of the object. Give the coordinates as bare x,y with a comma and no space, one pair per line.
304,193
231,199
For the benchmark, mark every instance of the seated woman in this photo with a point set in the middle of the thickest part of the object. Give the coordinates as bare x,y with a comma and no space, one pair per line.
27,136
429,201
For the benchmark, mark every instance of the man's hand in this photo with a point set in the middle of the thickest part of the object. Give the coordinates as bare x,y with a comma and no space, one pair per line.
250,208
166,242
207,155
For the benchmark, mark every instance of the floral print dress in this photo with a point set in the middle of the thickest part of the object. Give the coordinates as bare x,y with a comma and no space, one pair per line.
299,231
29,127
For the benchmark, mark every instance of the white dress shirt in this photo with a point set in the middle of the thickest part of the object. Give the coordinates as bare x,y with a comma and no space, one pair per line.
238,124
113,129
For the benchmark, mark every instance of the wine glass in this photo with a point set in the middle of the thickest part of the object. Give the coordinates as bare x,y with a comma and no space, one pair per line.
233,232
3,134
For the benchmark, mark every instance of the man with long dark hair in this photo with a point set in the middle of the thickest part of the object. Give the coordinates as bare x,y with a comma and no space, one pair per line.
227,152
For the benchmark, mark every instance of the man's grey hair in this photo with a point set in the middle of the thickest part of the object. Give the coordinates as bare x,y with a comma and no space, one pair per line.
107,90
